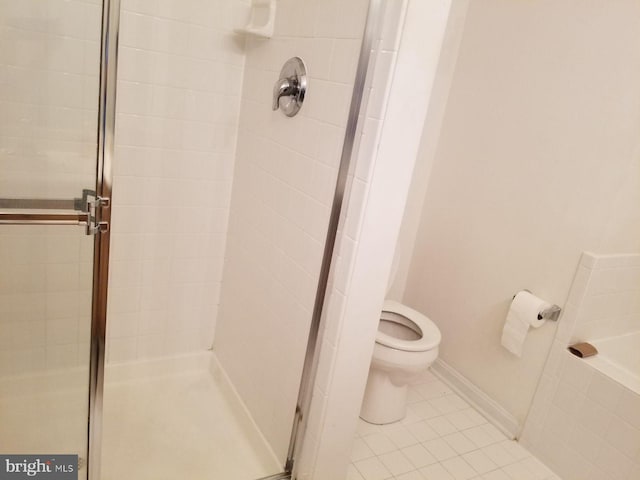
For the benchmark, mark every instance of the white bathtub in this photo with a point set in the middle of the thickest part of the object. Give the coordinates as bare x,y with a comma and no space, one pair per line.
619,358
584,421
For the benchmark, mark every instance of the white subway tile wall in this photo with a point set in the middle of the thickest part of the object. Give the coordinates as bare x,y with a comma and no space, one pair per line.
179,83
49,65
610,303
283,186
45,298
583,423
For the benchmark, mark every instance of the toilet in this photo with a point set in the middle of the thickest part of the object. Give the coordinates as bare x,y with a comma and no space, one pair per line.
406,345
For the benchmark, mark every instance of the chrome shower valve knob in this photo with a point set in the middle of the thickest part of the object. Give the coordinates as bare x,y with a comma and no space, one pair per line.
290,89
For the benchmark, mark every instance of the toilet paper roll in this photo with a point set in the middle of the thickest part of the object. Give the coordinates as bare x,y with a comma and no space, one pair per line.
523,313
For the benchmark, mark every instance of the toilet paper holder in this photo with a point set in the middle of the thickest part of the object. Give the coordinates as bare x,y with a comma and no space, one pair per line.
550,313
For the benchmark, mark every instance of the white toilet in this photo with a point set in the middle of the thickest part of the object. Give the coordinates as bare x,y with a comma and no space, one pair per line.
406,345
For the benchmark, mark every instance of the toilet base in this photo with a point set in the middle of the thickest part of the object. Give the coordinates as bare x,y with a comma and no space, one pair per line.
384,402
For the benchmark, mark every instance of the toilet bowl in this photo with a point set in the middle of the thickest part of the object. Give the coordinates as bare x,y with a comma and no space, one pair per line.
406,345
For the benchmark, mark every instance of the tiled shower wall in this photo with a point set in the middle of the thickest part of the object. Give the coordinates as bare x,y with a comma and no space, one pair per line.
49,60
45,298
283,188
584,424
604,300
49,66
180,73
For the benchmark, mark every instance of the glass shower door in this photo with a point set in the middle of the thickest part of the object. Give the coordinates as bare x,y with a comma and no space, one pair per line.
49,92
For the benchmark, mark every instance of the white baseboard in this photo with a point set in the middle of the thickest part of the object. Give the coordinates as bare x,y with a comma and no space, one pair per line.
488,407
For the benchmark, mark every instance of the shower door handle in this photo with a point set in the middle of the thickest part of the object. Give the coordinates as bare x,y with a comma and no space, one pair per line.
87,212
81,219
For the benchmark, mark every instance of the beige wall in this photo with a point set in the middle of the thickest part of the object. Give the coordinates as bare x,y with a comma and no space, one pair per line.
537,160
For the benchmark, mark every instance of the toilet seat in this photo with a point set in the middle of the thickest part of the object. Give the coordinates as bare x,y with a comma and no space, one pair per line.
429,339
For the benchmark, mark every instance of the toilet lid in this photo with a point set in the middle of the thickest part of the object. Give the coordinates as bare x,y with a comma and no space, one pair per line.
430,333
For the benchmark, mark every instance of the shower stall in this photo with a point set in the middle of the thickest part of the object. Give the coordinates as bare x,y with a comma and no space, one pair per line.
166,232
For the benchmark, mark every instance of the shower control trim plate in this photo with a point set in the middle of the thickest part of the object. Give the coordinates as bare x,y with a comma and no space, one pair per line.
290,89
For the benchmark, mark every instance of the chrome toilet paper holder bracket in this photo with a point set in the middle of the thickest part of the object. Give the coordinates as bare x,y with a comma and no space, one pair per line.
550,313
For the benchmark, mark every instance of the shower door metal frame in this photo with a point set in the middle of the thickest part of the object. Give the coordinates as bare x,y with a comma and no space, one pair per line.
104,181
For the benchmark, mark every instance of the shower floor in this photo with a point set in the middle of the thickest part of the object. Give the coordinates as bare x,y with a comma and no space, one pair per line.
180,425
163,419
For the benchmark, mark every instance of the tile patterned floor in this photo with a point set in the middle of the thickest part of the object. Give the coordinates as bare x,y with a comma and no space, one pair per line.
441,438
